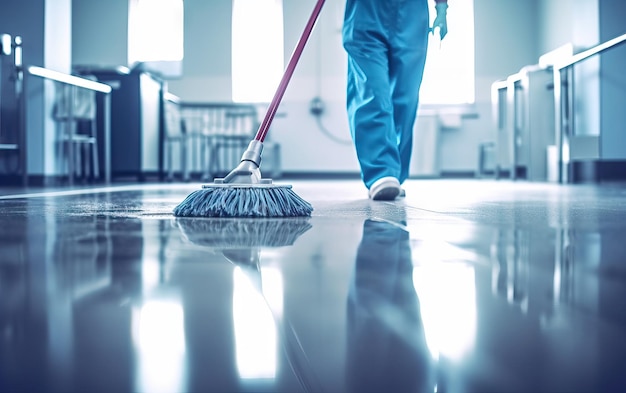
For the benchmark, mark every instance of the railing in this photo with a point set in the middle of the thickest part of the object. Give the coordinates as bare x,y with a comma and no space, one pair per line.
222,131
563,101
78,82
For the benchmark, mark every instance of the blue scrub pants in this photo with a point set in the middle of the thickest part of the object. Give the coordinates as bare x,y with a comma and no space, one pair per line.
386,43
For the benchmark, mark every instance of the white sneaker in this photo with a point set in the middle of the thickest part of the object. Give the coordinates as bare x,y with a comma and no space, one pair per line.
385,189
402,193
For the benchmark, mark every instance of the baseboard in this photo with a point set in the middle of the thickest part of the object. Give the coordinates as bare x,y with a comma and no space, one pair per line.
33,180
11,180
598,171
357,176
313,175
457,174
43,181
134,176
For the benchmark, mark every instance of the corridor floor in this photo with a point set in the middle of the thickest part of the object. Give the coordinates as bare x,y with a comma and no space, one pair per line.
462,286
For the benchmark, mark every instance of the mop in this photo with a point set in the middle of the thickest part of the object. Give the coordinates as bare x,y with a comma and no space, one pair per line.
243,192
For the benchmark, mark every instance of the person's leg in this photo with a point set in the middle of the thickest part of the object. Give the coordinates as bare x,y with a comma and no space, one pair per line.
406,67
370,112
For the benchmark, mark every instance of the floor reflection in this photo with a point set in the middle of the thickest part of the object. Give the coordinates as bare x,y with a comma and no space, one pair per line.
386,344
566,306
158,332
260,333
509,289
256,339
227,233
546,270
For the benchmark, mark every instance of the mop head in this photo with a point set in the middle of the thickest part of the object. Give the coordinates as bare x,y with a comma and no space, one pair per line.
243,200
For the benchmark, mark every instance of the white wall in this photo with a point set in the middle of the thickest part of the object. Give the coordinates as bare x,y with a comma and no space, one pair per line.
206,66
568,21
99,32
613,83
506,33
321,73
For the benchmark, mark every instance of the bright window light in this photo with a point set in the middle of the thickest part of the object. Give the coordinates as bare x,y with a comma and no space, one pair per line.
257,49
155,30
447,294
256,337
449,72
158,332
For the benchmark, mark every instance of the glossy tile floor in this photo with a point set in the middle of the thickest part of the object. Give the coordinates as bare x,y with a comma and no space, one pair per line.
463,286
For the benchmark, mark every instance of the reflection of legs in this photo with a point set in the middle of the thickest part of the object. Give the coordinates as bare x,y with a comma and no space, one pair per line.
386,344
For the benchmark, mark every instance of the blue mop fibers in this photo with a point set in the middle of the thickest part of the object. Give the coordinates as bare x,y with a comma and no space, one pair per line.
273,201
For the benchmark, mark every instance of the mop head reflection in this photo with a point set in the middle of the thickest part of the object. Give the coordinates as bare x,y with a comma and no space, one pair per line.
221,233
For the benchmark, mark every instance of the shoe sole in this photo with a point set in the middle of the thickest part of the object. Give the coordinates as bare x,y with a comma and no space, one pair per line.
386,194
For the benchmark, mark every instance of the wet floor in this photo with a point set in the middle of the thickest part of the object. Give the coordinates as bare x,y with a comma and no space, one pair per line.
463,286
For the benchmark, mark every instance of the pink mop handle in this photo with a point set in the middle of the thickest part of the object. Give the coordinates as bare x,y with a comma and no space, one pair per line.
295,56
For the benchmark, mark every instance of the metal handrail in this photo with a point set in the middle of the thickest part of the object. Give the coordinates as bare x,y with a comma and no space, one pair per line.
563,122
83,83
69,79
578,57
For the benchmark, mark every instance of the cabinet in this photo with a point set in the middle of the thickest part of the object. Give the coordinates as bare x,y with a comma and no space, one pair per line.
524,117
12,135
136,121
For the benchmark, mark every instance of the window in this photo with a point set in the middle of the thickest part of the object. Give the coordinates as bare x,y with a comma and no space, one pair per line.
156,29
257,49
449,72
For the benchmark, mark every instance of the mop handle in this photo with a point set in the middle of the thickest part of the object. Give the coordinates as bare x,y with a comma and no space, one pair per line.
295,56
